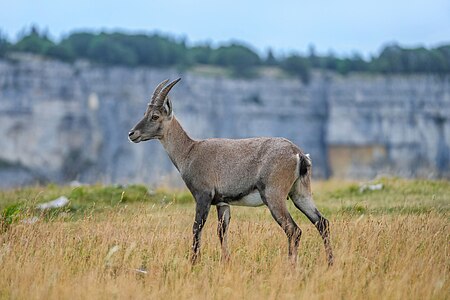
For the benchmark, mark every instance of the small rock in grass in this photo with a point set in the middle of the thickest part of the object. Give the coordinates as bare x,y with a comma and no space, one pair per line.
370,187
57,203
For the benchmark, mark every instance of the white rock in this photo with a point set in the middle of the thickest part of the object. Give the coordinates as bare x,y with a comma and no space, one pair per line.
370,187
75,183
57,203
31,220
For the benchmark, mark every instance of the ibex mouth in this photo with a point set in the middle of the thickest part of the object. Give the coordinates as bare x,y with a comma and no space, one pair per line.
135,140
140,139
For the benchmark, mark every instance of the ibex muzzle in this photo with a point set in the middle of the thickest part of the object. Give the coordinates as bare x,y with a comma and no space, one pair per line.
224,172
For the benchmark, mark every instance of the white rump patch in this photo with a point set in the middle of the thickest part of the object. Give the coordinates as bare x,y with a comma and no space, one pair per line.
309,157
253,199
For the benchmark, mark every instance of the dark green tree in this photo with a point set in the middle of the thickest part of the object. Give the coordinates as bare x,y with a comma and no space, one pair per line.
357,63
330,62
241,59
4,45
270,59
78,43
298,66
200,54
106,50
60,52
314,60
389,61
34,42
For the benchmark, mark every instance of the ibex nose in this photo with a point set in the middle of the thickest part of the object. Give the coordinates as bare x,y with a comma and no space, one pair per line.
134,136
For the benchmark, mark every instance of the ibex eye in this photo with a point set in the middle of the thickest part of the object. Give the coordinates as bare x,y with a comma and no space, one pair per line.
155,117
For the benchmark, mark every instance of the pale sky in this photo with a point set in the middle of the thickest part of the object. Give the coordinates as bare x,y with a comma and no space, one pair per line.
343,26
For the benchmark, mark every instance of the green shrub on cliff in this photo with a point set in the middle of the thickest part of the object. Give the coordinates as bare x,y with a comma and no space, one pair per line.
156,50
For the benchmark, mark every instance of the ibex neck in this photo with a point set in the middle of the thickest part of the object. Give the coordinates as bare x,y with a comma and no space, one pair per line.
177,144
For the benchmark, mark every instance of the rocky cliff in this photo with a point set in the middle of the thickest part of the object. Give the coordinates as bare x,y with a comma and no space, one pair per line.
61,122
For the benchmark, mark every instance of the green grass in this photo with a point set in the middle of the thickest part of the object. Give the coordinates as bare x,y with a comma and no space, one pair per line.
396,196
336,198
17,204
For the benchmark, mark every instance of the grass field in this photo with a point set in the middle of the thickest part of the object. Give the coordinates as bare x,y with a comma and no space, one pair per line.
388,244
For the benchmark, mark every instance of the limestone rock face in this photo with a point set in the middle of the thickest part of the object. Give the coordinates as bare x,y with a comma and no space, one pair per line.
61,122
390,124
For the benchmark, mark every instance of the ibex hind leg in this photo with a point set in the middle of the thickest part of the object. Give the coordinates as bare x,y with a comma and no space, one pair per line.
223,214
302,197
276,202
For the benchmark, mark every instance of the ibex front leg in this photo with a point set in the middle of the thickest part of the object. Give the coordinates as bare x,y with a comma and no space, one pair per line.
201,214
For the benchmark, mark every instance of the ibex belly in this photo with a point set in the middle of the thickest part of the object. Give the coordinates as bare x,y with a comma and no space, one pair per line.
253,199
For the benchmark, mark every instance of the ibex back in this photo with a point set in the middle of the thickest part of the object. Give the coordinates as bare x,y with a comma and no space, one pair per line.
224,172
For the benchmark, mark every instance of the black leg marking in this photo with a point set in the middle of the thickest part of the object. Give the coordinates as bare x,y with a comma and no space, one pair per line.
201,214
223,214
323,226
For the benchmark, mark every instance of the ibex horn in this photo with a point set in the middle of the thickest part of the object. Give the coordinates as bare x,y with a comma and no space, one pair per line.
158,90
162,96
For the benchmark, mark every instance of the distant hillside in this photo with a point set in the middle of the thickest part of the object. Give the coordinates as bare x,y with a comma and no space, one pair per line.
157,50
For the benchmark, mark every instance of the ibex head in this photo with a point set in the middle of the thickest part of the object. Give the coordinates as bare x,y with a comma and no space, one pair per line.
157,116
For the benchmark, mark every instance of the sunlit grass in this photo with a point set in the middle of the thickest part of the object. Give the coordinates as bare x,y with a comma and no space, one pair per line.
132,242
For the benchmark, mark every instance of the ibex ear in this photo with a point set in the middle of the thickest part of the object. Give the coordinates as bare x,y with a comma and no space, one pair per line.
168,107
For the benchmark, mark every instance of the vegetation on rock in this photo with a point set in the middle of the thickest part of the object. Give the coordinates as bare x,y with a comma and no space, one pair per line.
156,50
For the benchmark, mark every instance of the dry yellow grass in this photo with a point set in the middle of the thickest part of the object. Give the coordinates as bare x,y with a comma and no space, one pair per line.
379,254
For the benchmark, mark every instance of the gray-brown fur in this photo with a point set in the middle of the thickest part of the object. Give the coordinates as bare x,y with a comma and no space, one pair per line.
226,172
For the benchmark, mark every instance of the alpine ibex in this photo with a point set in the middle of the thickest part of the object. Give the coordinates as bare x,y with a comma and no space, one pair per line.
224,172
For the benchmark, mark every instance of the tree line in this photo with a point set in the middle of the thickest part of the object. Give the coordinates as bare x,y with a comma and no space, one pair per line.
155,50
